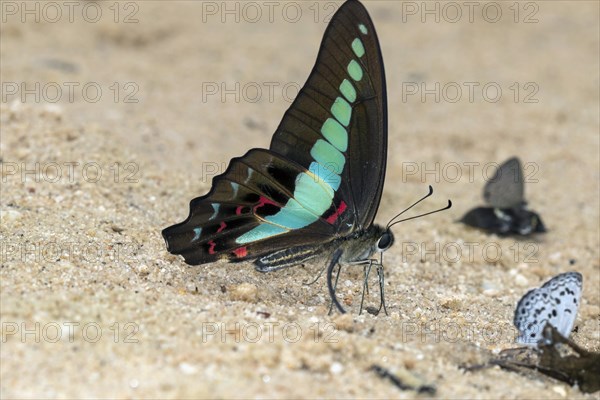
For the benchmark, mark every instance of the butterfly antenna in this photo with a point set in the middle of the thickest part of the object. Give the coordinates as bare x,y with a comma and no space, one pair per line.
411,206
422,215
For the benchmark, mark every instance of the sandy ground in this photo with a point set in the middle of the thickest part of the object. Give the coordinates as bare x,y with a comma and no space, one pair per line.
94,306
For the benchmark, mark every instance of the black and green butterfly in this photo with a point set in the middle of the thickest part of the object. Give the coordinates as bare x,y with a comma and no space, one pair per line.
315,192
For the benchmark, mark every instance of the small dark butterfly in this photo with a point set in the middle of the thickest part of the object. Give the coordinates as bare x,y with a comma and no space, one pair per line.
505,193
315,192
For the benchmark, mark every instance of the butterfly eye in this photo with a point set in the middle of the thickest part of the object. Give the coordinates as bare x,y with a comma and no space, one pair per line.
385,241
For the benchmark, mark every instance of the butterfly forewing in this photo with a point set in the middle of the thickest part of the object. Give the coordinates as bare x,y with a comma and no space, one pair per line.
323,175
506,188
339,119
556,302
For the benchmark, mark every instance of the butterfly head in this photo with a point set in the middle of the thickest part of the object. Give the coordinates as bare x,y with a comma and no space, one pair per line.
385,241
530,222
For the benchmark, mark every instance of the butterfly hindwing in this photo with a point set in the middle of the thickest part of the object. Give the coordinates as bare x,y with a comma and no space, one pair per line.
556,302
323,175
487,218
261,196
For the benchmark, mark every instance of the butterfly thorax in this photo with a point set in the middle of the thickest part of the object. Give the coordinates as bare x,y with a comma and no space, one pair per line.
363,244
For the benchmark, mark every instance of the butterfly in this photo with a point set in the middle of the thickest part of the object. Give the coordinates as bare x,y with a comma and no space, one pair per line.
315,191
556,303
508,214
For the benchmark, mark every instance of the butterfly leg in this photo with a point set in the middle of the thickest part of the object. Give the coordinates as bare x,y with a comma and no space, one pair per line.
367,270
381,286
366,274
316,278
334,261
367,266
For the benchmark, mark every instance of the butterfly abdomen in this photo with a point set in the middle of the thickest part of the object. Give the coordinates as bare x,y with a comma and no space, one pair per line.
287,258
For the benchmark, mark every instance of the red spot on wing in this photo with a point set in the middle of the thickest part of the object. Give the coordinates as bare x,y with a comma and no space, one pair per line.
211,249
238,210
263,201
241,252
333,217
212,244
